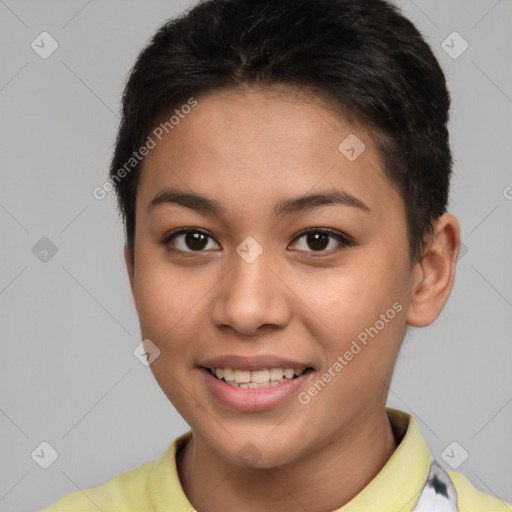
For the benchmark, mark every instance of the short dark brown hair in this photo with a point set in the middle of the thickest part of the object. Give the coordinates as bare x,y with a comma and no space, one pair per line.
363,56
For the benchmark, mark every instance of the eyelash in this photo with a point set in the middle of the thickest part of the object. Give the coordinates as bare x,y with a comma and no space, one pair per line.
343,240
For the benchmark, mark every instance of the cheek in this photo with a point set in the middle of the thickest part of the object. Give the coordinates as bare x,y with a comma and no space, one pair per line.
172,304
346,299
358,310
163,298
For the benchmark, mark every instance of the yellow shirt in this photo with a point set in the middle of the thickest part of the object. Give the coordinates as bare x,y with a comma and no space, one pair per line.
155,486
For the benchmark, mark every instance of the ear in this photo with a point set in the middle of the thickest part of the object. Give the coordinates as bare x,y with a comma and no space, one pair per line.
129,266
434,276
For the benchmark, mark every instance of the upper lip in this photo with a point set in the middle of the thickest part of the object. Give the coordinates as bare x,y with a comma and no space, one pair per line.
253,362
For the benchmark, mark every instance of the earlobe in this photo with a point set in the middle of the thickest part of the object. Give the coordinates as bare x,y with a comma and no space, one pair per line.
434,276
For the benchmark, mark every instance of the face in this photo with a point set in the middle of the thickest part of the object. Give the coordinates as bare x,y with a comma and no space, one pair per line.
256,279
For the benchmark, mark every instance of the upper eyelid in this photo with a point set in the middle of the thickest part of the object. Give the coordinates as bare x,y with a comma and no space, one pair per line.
329,231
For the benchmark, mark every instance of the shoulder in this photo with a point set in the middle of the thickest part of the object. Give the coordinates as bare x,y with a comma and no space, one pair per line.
126,492
471,499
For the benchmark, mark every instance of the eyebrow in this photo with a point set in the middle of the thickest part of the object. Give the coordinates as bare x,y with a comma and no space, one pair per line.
283,208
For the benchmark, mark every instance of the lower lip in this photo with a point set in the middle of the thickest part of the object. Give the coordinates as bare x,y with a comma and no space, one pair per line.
253,399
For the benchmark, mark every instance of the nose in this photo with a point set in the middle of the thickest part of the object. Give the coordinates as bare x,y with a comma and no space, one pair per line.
251,298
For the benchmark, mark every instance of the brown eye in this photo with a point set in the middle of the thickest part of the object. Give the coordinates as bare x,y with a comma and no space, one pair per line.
318,240
187,240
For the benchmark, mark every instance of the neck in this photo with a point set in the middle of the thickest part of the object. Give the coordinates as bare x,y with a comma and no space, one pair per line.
325,479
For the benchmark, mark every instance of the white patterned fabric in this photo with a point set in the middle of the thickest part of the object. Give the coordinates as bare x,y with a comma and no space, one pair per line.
438,494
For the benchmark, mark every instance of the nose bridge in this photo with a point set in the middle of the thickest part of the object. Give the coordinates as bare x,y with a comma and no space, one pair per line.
251,295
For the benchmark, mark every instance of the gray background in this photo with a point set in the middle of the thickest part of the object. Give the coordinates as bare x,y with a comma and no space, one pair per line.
68,375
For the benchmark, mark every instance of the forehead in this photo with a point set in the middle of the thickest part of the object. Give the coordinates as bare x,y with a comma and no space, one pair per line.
250,144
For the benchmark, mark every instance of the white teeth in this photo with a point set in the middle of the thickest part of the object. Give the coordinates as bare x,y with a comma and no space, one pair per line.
260,376
257,378
252,385
276,373
229,375
242,376
289,373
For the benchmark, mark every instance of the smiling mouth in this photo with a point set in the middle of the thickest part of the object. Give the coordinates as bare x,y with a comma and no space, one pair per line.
263,378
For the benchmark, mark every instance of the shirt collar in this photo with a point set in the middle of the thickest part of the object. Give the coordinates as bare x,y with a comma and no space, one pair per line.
398,484
395,488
